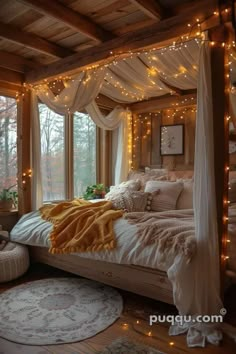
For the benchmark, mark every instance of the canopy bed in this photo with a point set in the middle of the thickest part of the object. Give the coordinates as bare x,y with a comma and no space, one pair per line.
127,70
185,278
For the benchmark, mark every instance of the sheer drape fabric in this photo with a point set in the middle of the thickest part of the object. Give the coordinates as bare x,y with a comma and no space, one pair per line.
79,93
197,285
153,73
118,120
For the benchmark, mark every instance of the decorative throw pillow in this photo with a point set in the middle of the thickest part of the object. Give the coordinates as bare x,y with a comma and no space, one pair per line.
144,177
168,194
129,200
185,200
132,185
175,175
158,172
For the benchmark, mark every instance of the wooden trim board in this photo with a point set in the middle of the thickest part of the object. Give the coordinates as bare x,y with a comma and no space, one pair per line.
144,281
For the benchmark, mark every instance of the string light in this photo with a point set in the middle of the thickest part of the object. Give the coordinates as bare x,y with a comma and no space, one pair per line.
125,325
130,139
26,175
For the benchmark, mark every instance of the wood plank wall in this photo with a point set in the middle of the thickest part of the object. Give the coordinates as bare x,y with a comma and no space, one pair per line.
146,138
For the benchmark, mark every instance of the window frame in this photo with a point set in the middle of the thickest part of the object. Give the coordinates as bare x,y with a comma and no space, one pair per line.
10,93
69,155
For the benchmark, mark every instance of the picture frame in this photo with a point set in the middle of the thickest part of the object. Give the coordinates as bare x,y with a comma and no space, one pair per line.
172,139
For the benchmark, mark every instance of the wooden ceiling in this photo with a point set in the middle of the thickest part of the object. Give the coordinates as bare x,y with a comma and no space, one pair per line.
43,38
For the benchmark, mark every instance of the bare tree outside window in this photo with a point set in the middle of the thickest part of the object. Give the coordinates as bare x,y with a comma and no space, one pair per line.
53,142
8,142
52,130
84,153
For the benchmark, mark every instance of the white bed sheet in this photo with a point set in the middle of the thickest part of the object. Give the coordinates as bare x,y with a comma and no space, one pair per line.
32,230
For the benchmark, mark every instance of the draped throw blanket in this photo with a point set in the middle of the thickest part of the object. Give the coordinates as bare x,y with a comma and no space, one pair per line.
81,226
173,231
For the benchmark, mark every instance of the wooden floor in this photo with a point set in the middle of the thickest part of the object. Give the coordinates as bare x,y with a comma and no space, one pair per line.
136,308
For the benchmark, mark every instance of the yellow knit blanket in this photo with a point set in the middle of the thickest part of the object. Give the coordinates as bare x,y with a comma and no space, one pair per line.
81,226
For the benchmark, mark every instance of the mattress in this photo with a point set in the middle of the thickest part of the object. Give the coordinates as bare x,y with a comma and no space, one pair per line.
32,230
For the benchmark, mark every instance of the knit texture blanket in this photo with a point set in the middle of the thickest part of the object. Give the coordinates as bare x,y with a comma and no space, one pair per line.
81,226
172,231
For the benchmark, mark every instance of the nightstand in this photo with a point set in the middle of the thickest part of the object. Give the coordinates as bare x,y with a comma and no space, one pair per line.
8,219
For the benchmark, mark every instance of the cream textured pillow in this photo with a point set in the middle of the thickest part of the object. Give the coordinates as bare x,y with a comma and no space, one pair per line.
168,194
175,175
144,177
185,200
132,185
129,200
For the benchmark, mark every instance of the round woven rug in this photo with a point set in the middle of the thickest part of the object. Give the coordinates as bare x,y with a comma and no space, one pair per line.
53,311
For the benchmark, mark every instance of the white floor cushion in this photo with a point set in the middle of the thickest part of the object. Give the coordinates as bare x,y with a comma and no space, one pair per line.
14,261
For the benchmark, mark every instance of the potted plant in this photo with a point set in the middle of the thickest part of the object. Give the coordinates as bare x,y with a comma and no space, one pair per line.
95,191
8,199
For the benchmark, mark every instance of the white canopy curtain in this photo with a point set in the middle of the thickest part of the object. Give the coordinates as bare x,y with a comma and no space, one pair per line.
79,93
197,285
143,76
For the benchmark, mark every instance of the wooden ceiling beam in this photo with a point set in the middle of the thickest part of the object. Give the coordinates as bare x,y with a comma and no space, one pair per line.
150,7
11,76
33,41
134,26
10,88
188,98
69,17
16,63
158,33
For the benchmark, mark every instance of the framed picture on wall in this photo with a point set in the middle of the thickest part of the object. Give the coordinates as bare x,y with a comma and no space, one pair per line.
172,139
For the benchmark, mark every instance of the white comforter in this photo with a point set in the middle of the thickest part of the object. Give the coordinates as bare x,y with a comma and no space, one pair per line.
32,230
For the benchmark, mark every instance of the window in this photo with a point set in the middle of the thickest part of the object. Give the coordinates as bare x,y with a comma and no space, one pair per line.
8,141
52,130
84,130
68,154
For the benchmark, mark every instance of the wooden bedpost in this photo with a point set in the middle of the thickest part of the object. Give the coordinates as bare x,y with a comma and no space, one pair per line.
220,98
23,147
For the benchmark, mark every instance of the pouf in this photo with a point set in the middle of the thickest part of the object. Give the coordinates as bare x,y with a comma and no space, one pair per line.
14,261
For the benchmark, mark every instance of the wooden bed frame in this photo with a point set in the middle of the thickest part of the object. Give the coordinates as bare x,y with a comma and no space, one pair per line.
140,280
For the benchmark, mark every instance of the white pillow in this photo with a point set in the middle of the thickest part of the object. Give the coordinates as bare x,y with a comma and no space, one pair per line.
144,177
185,200
130,201
168,194
132,185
